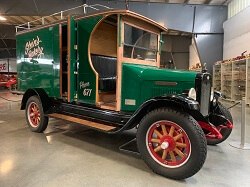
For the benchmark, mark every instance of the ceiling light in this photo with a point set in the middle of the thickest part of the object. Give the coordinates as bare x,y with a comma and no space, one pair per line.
2,18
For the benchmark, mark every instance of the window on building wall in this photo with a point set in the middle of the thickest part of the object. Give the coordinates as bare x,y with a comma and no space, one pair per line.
140,44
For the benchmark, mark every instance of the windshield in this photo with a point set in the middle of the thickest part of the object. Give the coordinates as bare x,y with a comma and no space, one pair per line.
139,44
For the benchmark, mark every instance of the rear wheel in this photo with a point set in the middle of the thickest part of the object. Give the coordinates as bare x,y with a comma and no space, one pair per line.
35,117
171,143
222,110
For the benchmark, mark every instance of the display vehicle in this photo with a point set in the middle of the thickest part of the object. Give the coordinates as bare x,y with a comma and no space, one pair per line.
102,70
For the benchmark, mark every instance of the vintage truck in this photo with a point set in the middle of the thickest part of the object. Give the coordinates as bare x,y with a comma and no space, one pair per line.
102,70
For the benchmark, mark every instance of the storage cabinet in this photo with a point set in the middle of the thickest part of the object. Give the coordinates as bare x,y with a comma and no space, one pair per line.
217,77
232,79
226,79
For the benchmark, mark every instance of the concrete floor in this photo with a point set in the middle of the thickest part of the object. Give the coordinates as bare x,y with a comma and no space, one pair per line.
70,155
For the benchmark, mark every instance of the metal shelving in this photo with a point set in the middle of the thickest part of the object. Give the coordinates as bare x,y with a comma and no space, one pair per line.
232,79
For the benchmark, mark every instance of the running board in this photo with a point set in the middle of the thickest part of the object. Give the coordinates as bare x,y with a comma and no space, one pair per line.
87,123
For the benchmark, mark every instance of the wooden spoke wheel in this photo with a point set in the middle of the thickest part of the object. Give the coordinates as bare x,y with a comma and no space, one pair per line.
168,144
171,143
35,116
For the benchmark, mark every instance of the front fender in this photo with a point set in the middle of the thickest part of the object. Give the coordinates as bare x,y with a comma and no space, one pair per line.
214,102
179,102
218,94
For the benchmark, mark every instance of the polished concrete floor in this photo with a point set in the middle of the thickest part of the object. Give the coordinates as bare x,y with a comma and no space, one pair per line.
70,155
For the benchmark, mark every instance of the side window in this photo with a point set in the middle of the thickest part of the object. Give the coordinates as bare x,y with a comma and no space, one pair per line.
139,44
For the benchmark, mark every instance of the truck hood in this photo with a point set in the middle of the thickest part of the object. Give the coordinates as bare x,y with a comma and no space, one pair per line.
151,73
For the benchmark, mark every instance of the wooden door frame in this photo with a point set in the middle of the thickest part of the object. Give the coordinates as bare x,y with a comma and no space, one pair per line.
120,38
141,24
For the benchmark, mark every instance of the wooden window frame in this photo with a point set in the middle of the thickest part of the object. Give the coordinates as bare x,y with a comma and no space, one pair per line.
150,30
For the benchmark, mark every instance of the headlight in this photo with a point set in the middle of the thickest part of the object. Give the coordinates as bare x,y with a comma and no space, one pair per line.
212,94
214,101
192,93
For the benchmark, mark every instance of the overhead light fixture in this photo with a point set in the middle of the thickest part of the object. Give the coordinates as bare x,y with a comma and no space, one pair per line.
2,18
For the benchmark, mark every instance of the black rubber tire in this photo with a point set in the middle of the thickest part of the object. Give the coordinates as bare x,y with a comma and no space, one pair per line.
194,133
43,119
222,110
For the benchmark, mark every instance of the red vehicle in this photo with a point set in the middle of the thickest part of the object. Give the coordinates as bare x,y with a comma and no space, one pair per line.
3,80
8,83
12,83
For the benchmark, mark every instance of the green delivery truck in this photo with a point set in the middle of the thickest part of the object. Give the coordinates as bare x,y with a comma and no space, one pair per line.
102,70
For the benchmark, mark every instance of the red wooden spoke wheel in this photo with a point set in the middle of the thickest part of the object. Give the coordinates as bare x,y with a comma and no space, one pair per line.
168,144
33,114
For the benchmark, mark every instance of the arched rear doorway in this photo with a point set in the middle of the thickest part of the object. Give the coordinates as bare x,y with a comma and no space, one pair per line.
103,53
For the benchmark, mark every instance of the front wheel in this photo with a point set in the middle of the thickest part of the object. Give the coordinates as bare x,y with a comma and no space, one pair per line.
222,110
35,117
171,143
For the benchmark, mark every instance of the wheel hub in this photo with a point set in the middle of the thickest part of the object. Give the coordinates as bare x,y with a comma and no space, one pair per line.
167,143
164,145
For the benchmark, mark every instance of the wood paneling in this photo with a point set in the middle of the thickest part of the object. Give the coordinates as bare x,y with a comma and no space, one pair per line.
119,63
82,121
141,24
103,41
107,97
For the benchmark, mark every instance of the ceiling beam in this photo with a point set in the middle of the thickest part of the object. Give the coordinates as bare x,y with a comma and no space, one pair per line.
46,20
22,18
226,2
11,22
7,38
10,48
37,20
36,6
180,33
55,18
5,44
207,2
12,19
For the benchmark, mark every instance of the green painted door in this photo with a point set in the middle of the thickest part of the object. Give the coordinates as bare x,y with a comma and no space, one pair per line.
72,61
86,76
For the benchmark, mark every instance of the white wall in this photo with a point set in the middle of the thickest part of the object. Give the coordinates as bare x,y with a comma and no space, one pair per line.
237,34
193,55
235,6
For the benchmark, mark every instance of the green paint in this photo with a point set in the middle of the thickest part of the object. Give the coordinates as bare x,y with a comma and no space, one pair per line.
56,61
138,83
72,59
41,68
86,75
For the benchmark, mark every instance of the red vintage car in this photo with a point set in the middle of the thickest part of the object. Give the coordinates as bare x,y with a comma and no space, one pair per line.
3,80
6,82
12,82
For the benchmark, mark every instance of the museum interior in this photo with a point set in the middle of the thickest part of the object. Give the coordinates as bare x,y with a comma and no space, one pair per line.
125,93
